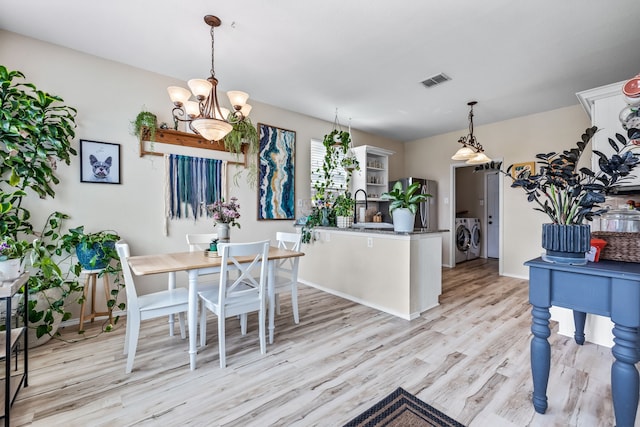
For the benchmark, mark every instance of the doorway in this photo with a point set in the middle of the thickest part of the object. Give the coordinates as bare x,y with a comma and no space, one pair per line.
485,201
492,191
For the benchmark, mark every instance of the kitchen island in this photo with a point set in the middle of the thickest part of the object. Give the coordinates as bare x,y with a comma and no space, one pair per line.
398,273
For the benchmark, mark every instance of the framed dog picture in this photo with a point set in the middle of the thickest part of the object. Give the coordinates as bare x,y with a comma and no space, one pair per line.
99,162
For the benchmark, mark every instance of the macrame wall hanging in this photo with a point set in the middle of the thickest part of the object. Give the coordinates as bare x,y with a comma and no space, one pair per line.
192,183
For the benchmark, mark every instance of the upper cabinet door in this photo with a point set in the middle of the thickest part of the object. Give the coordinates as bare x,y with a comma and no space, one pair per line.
604,105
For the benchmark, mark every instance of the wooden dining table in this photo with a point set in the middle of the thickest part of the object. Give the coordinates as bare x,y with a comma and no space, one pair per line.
199,263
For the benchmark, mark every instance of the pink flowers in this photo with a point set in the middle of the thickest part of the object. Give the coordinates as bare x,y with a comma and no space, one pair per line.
225,212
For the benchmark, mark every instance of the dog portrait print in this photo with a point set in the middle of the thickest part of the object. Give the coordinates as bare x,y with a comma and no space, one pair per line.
100,162
100,169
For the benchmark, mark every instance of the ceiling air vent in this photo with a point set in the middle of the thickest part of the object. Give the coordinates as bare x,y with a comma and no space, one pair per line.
436,80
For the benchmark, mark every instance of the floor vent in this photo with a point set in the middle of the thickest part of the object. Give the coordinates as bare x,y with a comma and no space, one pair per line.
436,80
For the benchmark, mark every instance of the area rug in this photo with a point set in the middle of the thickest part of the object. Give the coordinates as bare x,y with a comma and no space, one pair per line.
402,409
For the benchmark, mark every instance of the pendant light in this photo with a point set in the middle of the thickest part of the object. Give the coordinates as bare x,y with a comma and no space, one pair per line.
471,150
205,116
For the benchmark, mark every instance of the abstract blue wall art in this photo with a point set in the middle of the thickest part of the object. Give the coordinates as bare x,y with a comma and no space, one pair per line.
277,173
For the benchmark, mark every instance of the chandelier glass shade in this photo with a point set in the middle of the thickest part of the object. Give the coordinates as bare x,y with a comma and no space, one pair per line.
205,115
471,150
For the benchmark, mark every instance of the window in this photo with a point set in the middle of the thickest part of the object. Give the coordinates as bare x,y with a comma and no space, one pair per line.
338,176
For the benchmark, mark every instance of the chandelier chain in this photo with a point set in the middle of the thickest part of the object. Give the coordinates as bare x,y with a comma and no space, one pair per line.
213,71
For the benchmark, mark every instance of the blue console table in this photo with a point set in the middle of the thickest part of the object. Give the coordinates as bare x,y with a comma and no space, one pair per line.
607,288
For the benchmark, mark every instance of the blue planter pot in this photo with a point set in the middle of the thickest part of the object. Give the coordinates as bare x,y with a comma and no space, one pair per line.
93,257
566,244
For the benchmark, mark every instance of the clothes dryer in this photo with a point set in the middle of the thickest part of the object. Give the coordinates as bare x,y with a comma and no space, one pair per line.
463,239
475,240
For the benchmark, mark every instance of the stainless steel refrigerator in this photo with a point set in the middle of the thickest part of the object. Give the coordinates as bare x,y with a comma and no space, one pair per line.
427,215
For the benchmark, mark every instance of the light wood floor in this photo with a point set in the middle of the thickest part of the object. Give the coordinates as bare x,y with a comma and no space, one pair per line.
469,358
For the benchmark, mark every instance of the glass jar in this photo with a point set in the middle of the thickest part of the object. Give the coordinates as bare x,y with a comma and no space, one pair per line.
621,221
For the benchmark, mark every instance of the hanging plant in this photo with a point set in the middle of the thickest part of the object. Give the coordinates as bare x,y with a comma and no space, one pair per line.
337,138
244,132
145,118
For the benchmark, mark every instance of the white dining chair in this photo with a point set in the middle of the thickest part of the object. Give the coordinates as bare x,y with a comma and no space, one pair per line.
147,306
200,242
286,271
237,296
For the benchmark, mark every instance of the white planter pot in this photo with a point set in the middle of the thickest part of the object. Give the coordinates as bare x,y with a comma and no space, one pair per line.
403,220
10,269
344,221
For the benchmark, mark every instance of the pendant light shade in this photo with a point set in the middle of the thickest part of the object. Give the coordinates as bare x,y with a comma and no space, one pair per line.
211,129
465,153
478,159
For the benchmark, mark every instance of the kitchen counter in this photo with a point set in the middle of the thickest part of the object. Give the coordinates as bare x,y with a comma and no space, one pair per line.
398,273
383,229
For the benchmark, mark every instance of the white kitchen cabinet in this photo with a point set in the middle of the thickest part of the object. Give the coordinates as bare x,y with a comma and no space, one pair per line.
373,175
603,104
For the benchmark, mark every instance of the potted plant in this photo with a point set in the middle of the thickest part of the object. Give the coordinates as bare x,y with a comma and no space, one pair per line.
344,208
336,144
12,254
145,119
244,133
94,250
569,196
404,205
37,131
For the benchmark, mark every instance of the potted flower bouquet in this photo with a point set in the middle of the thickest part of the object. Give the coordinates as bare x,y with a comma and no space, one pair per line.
225,215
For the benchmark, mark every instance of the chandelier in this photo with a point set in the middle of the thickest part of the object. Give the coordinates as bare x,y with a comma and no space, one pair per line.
205,116
471,150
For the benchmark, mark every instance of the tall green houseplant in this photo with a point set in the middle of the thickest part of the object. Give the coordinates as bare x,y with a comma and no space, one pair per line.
36,131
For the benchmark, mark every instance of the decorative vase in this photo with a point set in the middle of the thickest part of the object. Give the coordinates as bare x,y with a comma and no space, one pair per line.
403,220
93,257
566,244
10,269
344,221
324,221
223,230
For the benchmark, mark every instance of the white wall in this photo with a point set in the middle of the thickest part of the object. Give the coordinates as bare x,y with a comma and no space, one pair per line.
517,140
108,95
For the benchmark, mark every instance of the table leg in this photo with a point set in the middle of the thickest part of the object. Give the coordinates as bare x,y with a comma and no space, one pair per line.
579,319
540,356
271,280
172,285
624,375
192,317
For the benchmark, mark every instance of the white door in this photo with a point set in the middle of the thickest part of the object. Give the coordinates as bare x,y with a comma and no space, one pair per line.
493,215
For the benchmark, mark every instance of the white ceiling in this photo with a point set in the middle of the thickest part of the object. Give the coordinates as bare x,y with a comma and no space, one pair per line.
364,57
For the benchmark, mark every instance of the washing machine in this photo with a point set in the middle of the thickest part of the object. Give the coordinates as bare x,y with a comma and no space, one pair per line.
475,243
463,239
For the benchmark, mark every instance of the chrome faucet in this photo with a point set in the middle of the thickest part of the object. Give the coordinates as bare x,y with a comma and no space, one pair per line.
355,204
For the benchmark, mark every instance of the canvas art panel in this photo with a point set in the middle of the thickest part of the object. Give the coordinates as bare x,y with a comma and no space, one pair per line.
276,173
